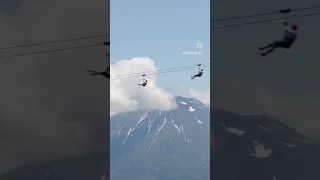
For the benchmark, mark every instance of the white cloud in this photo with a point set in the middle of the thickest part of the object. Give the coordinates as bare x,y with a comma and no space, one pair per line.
126,95
203,96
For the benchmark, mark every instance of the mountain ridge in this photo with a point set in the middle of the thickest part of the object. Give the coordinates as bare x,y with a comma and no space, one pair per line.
245,146
162,141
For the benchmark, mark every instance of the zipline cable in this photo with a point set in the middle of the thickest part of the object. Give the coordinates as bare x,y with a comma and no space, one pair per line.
53,50
264,21
141,73
92,45
215,20
213,28
263,14
56,41
155,72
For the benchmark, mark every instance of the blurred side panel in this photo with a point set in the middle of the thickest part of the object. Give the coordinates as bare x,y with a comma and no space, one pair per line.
54,114
265,110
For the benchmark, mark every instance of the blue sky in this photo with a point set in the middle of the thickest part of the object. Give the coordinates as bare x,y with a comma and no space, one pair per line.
162,30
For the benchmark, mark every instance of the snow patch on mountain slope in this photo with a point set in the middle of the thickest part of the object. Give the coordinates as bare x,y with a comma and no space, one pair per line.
191,109
264,128
233,130
184,103
288,145
198,120
260,151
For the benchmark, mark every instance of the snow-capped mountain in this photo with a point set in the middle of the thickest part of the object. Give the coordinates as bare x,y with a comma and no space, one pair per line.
155,144
260,147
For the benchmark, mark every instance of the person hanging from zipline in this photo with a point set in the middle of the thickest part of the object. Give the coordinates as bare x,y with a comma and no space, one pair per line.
105,73
289,38
199,73
144,82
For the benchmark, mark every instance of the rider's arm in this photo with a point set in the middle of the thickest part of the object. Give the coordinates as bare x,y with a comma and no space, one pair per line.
287,29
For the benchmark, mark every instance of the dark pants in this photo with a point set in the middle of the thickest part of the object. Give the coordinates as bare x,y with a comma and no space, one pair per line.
197,75
282,44
278,44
